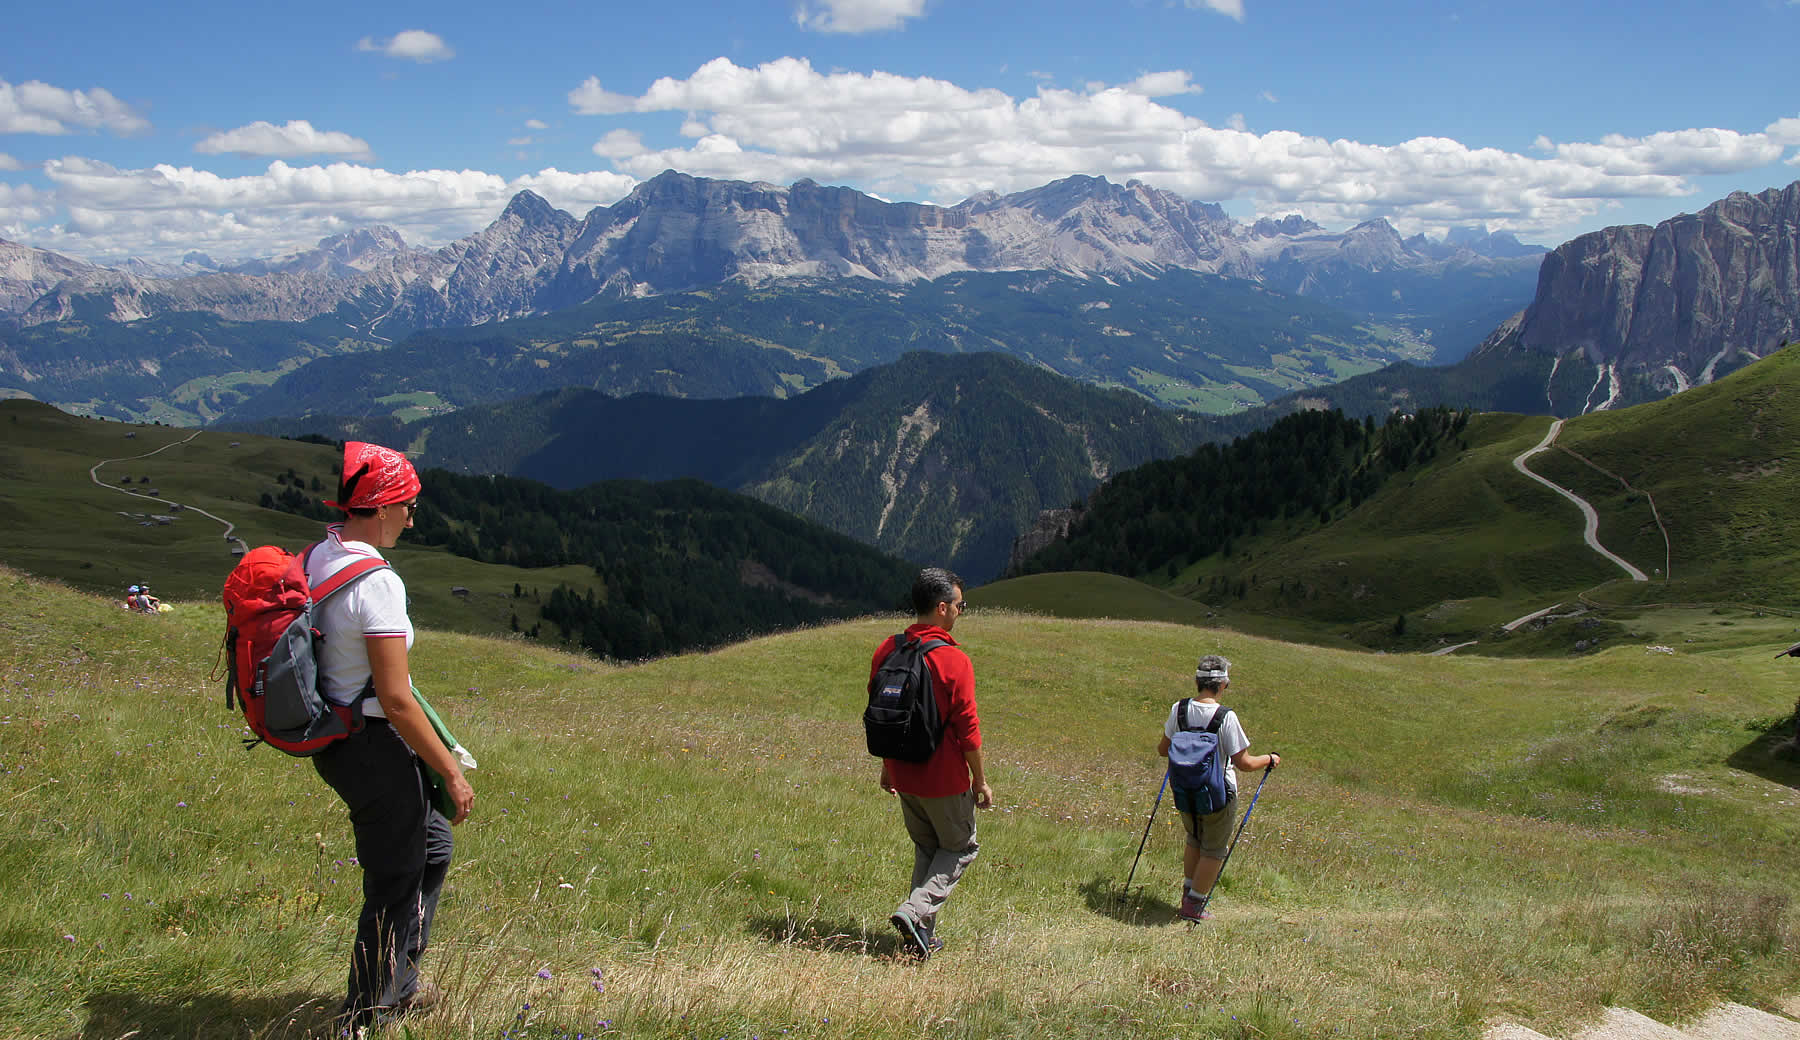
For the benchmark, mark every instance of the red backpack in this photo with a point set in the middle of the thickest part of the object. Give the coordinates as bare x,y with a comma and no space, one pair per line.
271,651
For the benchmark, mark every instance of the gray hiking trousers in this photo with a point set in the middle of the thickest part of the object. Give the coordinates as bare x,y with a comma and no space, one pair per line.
943,836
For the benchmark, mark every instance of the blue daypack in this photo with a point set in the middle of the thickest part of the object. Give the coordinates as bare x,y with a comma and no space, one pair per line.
1197,764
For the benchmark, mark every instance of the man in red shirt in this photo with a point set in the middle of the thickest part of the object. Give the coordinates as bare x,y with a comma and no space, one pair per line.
938,797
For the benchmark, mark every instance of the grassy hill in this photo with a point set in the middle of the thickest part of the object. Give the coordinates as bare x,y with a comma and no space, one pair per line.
629,569
1456,547
1447,841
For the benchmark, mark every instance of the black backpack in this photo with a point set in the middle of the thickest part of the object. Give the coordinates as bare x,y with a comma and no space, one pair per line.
901,721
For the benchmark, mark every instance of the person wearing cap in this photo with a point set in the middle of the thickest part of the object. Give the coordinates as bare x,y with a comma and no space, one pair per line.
381,771
1209,835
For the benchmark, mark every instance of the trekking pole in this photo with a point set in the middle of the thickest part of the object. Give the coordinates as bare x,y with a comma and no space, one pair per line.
1146,837
1239,834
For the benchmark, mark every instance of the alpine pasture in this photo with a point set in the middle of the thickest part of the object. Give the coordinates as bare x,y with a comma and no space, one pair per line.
696,846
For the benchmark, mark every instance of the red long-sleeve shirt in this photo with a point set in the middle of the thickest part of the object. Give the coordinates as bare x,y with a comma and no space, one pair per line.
946,772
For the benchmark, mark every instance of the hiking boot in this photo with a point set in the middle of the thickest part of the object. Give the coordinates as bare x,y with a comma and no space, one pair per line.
911,936
1192,908
932,943
423,999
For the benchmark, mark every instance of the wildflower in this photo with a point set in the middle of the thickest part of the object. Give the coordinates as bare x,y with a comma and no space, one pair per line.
71,938
543,973
180,805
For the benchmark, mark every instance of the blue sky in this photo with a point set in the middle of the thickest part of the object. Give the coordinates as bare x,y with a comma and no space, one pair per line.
244,130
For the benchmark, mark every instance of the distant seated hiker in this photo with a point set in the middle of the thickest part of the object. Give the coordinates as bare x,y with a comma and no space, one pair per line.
919,673
1203,780
138,598
397,775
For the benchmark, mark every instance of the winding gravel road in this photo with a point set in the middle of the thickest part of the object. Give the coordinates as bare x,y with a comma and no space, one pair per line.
94,475
1591,533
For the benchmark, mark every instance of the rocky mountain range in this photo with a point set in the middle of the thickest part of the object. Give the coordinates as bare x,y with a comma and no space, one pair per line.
676,232
1635,313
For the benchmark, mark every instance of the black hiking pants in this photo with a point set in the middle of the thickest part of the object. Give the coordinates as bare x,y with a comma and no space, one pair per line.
404,847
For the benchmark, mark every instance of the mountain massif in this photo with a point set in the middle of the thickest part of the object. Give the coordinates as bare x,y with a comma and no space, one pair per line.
676,232
934,458
1622,316
1636,313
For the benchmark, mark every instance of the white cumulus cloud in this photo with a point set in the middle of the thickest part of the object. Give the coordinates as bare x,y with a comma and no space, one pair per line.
1678,151
34,107
164,209
619,144
917,137
1162,84
536,124
410,45
296,138
576,192
7,162
1229,8
856,16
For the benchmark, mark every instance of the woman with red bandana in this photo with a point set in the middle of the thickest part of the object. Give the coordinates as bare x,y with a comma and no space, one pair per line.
402,841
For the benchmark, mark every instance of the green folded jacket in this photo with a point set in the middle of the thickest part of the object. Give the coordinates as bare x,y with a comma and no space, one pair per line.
440,793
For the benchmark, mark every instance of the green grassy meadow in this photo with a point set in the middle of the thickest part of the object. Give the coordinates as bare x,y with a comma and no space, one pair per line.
1697,490
62,526
696,847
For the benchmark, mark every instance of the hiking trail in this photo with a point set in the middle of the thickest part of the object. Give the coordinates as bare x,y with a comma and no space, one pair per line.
1590,532
94,475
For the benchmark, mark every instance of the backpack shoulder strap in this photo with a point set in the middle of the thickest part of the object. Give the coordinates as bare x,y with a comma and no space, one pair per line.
1218,719
345,575
1181,714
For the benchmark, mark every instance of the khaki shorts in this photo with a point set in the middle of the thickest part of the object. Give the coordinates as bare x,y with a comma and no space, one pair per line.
1211,833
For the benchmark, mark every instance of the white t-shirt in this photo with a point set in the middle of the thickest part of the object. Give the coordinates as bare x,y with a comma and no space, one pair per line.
373,606
1231,734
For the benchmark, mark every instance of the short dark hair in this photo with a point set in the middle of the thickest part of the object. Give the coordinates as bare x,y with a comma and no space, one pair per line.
934,585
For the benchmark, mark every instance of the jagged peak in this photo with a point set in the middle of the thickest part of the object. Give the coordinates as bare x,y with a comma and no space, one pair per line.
1292,224
362,240
1378,226
531,208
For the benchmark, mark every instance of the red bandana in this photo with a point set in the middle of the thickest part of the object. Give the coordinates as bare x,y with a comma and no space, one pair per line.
375,476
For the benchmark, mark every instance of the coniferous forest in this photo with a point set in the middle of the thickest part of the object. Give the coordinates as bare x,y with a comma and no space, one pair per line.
684,565
1166,514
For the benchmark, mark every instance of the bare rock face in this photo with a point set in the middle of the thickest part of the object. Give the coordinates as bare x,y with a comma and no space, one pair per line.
27,273
1052,525
493,274
676,232
1678,304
